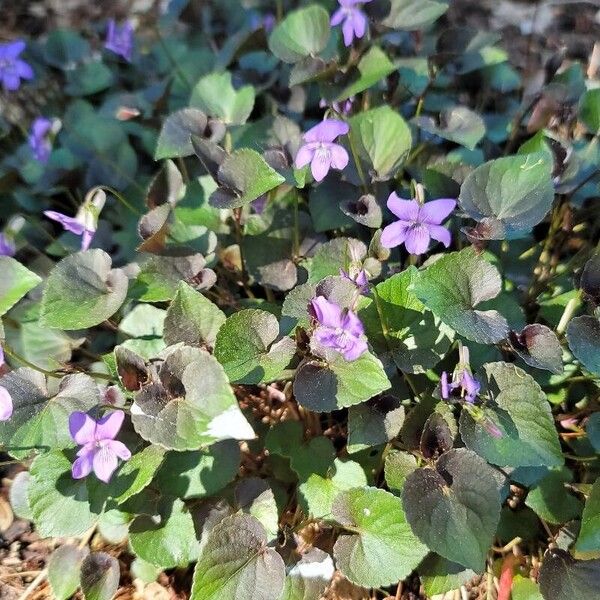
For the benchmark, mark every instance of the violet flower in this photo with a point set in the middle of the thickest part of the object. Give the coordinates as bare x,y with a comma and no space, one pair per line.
7,247
99,450
6,404
344,107
38,139
12,68
355,21
417,223
338,329
119,39
463,385
85,222
320,151
359,279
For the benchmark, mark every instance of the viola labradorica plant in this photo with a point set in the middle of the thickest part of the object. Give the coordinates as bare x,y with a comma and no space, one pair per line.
300,302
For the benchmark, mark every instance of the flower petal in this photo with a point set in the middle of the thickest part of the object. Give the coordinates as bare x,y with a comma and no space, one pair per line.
6,404
355,350
69,223
326,131
82,427
352,324
320,164
120,449
82,467
105,462
405,210
436,211
439,233
444,387
86,238
348,30
327,313
337,17
109,425
23,70
12,49
304,156
393,235
417,239
359,22
339,157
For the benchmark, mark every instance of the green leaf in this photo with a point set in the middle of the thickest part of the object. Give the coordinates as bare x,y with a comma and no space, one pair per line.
191,404
399,326
454,285
199,473
175,135
236,563
509,211
41,409
520,410
330,257
398,466
63,570
88,78
16,281
448,503
583,334
439,575
246,175
372,67
60,505
384,137
525,589
100,576
215,95
459,124
192,318
589,534
144,327
254,496
309,577
564,578
339,383
539,347
381,549
303,32
82,291
374,422
589,110
136,474
64,48
551,500
409,15
247,349
169,541
18,495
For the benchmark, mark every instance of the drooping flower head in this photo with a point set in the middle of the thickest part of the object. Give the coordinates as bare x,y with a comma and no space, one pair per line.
320,151
12,68
338,329
7,247
463,385
6,404
343,108
38,139
417,223
119,39
354,20
99,450
358,278
85,222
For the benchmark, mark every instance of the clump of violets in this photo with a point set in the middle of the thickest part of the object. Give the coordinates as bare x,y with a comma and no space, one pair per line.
320,150
12,68
119,39
337,328
354,20
85,222
99,450
38,139
418,223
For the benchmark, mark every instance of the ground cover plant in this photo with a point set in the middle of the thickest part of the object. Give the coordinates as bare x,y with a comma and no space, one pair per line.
301,293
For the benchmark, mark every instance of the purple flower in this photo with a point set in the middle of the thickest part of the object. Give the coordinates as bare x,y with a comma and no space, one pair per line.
38,139
417,223
338,329
320,151
85,222
119,39
342,108
359,279
6,404
12,68
463,385
99,449
7,247
355,20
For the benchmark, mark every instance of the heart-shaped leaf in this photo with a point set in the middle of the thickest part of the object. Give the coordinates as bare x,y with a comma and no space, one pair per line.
375,422
539,347
100,576
236,563
409,15
381,548
509,210
16,281
175,135
454,285
564,578
458,500
519,409
63,570
82,291
458,124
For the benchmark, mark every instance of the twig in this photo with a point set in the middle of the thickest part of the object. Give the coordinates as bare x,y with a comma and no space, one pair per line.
33,585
